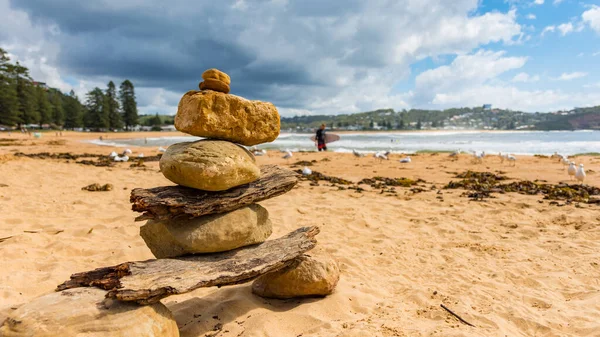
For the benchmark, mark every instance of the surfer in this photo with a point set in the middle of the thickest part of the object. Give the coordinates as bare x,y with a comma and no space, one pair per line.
320,138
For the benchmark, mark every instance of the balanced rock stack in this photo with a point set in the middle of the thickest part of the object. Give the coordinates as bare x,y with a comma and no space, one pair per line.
220,164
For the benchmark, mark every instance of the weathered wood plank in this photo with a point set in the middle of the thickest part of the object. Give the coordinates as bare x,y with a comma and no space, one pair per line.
147,282
166,202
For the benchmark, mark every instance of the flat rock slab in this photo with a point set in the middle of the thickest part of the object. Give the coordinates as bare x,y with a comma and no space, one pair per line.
147,282
166,202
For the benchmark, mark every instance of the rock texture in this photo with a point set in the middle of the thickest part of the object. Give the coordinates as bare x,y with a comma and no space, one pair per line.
216,74
147,282
166,202
209,165
217,115
309,275
216,85
85,312
208,234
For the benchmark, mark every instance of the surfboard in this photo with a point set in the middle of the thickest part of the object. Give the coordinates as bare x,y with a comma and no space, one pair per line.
329,138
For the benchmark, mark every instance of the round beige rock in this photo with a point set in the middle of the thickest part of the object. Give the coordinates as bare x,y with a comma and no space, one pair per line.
216,74
210,165
216,85
208,234
84,312
309,275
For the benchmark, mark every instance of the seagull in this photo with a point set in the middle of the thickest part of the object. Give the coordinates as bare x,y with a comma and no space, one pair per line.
288,155
127,151
162,149
141,155
479,156
565,161
571,170
512,159
580,174
455,153
259,152
306,171
381,155
357,154
113,154
123,158
405,160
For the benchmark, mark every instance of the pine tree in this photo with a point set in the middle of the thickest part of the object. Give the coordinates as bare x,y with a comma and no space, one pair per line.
128,104
419,124
43,107
26,95
56,100
73,111
112,107
9,100
401,125
96,117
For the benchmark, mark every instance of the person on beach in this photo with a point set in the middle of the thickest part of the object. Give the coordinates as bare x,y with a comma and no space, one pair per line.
320,138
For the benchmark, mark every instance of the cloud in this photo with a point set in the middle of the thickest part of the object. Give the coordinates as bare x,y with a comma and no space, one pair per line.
548,29
311,56
466,71
596,53
571,76
538,2
557,2
524,77
592,18
565,28
531,16
503,96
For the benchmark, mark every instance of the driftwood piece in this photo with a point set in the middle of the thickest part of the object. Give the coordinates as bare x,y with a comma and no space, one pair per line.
146,282
161,203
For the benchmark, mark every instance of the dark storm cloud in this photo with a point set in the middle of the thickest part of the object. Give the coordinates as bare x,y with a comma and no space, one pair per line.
159,45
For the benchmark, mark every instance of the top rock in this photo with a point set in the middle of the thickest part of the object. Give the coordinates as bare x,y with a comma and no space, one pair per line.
216,74
216,80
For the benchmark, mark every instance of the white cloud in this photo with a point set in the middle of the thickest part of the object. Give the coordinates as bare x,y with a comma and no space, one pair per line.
596,53
571,76
548,29
592,18
565,28
524,77
524,100
531,16
464,72
538,2
556,2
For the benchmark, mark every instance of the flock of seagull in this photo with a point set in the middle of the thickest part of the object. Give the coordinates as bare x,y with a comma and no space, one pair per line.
574,172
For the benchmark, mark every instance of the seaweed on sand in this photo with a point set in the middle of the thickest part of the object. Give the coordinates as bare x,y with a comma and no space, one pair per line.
480,185
382,182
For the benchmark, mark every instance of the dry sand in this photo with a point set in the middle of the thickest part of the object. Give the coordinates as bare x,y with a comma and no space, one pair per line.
511,266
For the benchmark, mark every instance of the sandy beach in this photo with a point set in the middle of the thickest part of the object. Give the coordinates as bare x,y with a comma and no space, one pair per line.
512,265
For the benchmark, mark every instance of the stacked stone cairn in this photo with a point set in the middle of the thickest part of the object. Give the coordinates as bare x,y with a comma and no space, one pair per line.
221,162
218,163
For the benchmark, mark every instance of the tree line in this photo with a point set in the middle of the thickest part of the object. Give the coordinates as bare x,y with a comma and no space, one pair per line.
24,101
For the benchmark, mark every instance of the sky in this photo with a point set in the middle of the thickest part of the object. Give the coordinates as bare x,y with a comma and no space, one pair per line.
315,56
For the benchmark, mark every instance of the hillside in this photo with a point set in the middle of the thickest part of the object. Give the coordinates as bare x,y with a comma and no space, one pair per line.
416,119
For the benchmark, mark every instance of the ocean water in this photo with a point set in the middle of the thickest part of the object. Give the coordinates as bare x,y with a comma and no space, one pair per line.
516,142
